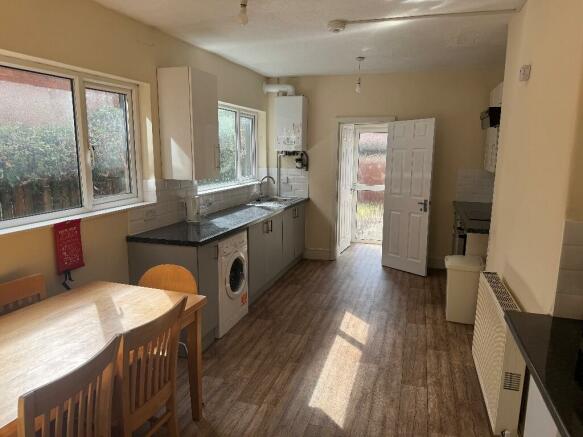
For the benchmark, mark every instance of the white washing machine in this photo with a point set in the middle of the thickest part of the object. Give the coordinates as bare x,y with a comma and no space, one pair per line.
233,284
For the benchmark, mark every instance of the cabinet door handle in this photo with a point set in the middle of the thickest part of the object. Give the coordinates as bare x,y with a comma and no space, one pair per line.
266,227
270,225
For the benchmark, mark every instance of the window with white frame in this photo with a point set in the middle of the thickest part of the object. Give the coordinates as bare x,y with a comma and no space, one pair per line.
237,143
67,144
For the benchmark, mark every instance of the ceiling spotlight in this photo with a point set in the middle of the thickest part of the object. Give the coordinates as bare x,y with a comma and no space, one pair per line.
358,88
242,17
336,26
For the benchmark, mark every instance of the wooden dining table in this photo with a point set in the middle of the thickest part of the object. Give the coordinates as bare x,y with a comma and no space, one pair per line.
48,339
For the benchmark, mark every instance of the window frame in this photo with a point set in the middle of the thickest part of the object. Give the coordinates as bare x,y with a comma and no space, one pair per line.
249,113
80,81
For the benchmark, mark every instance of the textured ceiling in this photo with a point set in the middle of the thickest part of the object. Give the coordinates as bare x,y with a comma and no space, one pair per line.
290,37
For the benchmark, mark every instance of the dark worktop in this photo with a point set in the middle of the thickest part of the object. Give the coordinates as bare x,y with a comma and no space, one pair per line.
475,216
214,226
551,347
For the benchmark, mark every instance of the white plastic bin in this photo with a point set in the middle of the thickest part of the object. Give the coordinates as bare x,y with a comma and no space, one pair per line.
463,274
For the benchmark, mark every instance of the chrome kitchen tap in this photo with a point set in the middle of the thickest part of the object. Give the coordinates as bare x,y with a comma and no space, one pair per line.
261,196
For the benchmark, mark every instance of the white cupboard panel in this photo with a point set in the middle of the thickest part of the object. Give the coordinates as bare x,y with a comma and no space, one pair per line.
538,421
188,111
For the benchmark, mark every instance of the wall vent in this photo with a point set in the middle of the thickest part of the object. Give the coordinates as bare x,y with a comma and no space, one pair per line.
512,381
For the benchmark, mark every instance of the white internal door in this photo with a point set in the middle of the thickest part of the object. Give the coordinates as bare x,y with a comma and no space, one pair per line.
345,187
407,195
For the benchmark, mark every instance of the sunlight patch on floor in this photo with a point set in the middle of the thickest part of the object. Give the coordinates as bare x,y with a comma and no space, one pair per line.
336,380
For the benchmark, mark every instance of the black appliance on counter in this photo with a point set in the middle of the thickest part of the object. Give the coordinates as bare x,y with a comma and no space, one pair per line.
491,117
470,217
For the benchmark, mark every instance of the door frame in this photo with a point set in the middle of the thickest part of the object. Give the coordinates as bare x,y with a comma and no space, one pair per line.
336,153
358,129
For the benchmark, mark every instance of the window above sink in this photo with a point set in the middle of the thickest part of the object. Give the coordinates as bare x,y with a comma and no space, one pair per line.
238,149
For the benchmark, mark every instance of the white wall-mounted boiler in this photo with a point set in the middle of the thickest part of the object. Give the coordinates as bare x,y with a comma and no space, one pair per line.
291,123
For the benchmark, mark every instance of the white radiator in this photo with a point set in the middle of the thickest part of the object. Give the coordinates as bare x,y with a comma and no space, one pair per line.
499,364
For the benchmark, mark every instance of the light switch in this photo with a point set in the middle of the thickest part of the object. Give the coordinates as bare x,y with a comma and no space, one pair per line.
525,72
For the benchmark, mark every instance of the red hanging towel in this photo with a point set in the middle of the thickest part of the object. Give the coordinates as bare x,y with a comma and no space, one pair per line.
69,249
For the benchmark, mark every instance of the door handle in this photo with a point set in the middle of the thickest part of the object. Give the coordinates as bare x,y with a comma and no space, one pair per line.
424,205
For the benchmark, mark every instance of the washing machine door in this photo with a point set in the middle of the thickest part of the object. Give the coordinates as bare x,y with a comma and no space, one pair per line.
236,277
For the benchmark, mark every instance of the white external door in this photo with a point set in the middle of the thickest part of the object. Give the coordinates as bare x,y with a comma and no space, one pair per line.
345,187
407,195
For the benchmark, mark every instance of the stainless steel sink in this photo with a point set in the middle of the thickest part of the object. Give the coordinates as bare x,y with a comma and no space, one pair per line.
273,202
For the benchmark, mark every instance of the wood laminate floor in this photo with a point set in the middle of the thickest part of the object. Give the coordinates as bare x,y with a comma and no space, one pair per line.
342,348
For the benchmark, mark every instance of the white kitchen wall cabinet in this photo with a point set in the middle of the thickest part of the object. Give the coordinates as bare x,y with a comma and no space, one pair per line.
291,123
188,108
491,149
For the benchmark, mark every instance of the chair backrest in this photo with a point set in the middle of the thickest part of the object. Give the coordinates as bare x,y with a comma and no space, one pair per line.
169,277
77,404
147,366
21,292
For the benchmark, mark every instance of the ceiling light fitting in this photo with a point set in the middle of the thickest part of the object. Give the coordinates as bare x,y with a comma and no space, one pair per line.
358,88
242,17
337,26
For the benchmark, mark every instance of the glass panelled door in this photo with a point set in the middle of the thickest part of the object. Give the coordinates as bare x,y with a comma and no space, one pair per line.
369,187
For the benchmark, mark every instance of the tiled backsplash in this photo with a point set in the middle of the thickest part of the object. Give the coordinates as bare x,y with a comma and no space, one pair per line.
169,207
227,198
474,186
569,299
294,182
170,194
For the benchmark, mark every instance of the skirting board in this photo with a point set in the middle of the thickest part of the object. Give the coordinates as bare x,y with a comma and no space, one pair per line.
318,254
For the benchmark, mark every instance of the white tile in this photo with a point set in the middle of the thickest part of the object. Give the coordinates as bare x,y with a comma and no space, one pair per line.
569,306
572,257
570,282
573,233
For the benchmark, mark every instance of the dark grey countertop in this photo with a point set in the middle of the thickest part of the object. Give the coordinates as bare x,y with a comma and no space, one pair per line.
475,216
214,226
551,347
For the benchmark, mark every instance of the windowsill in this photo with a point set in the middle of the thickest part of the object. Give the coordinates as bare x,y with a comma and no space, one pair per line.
84,215
220,188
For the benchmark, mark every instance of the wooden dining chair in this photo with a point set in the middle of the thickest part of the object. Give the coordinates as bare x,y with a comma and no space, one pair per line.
169,277
173,278
77,404
147,374
21,292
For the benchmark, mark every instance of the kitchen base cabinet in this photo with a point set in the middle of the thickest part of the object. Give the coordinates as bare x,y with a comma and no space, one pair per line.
300,231
538,420
293,234
274,246
265,246
142,256
274,253
208,284
200,261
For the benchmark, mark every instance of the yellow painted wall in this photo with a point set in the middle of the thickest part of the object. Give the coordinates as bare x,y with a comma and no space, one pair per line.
84,34
455,98
575,207
540,124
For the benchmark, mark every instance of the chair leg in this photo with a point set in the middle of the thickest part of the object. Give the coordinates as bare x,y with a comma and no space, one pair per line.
173,420
182,346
